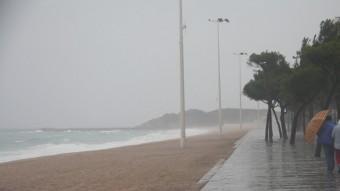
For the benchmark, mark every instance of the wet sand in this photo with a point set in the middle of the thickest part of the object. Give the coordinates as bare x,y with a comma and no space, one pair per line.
157,166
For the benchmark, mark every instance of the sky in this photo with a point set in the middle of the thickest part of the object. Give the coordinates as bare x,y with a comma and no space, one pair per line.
113,63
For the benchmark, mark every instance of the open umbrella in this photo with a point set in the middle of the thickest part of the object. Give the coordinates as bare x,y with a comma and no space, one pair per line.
314,125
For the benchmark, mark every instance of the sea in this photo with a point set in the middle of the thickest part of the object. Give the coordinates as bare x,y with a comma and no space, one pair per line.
17,144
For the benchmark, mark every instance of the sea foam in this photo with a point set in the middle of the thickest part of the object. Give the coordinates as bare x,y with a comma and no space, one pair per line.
49,149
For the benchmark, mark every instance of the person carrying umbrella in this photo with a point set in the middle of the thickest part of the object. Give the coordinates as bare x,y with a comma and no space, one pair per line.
325,139
336,138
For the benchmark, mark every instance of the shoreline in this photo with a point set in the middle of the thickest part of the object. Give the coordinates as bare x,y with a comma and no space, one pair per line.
56,149
150,166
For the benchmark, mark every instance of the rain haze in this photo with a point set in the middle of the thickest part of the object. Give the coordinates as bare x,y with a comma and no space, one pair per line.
83,63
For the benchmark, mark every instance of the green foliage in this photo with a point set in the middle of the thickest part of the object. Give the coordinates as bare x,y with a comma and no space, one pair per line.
315,79
268,61
318,72
255,90
303,85
329,30
324,53
272,69
326,56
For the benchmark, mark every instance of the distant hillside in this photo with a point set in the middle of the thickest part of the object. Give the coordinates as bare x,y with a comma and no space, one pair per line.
198,118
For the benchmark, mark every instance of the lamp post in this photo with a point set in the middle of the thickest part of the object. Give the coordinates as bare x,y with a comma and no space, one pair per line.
258,114
181,53
240,54
218,21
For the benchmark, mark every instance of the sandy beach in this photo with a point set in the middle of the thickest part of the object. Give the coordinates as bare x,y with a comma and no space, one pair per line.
157,166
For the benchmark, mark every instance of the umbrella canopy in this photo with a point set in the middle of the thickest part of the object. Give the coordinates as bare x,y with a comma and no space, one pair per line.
314,125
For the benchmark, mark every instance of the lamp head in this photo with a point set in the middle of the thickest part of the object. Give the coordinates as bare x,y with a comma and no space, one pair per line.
219,20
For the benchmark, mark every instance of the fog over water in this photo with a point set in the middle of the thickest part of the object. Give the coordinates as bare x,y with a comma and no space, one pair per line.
104,63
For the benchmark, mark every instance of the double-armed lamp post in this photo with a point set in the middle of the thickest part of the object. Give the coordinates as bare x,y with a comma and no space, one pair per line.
181,66
218,21
240,54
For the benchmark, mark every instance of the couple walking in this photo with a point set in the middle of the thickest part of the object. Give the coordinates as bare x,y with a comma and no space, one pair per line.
329,138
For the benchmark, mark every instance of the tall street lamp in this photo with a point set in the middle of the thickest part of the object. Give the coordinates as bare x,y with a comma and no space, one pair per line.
240,54
218,21
258,114
182,100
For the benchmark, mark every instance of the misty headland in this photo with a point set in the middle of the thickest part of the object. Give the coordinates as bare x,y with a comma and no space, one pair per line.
202,119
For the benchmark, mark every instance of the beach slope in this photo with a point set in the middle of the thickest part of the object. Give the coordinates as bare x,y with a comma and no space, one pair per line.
154,166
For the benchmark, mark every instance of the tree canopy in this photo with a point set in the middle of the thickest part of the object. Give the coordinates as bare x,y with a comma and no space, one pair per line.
314,82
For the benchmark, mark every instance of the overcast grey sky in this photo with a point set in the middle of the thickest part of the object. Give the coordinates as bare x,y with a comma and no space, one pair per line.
96,63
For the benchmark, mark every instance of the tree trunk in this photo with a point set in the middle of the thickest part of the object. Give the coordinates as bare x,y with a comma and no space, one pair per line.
294,125
317,152
267,127
292,113
283,123
289,120
304,121
270,126
338,104
330,96
311,111
266,131
277,122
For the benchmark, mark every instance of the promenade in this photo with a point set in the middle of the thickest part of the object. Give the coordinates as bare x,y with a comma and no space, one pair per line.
259,166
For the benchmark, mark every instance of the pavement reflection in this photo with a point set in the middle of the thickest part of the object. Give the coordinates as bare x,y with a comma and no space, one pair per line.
257,165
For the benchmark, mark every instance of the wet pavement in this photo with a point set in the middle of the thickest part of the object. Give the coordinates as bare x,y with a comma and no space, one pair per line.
258,166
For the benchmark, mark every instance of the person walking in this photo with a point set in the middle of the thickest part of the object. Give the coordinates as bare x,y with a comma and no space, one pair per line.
325,139
336,138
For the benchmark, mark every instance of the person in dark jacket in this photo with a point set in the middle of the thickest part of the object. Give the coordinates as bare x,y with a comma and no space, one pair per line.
325,139
336,138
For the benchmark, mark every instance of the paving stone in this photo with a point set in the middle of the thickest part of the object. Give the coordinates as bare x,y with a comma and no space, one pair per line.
259,166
